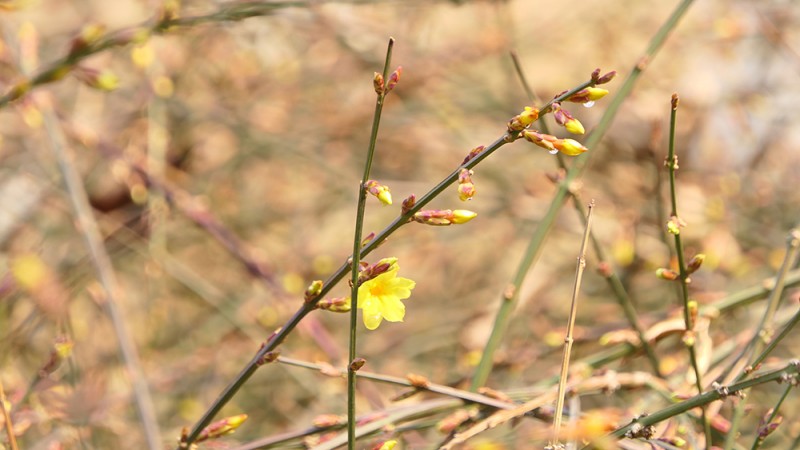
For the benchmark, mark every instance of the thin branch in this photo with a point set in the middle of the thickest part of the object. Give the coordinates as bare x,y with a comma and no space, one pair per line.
573,312
108,279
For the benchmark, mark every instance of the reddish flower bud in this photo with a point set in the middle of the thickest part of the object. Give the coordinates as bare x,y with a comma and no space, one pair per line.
466,188
377,83
473,153
408,203
393,79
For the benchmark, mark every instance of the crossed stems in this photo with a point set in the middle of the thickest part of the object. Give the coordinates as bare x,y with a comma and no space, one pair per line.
267,351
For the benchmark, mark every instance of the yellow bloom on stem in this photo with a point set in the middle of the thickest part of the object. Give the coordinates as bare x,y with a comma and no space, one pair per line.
380,298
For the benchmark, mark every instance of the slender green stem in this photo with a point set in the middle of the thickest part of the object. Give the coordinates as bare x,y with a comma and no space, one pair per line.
689,339
280,335
763,434
611,277
508,299
789,372
757,341
573,312
356,263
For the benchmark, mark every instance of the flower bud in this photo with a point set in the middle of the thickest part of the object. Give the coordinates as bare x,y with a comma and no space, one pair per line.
102,80
337,304
569,147
565,119
394,78
588,95
695,263
357,364
444,217
473,153
542,140
607,77
377,83
313,290
667,274
380,191
409,203
466,188
523,119
222,427
89,35
674,225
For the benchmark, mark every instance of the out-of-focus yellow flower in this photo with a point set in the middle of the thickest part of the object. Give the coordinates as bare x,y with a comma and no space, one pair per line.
380,298
388,445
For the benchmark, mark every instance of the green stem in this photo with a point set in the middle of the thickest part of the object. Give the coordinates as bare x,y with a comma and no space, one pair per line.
789,371
760,437
689,341
508,300
356,263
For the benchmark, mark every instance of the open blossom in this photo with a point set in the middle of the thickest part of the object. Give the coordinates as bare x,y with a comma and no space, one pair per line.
380,298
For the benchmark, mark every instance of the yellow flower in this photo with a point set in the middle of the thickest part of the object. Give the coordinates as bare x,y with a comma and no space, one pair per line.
380,298
388,445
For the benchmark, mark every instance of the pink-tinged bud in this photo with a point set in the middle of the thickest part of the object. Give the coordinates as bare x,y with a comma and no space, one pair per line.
523,119
466,188
473,153
569,147
377,82
689,338
102,80
380,191
393,79
62,349
222,427
607,77
367,239
767,426
565,119
587,95
337,304
595,75
667,274
542,140
89,35
371,271
357,364
313,290
675,101
443,217
695,263
409,203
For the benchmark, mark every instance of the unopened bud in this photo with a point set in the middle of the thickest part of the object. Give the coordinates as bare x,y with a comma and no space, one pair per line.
444,217
607,77
466,188
337,304
409,203
569,147
695,263
588,95
473,153
102,80
667,274
357,364
220,428
377,83
565,119
313,290
523,119
675,224
367,239
393,79
380,191
89,35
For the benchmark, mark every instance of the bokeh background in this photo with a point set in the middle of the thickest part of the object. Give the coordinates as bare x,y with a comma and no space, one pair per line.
264,124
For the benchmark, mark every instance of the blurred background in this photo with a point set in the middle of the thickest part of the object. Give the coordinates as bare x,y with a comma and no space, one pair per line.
264,124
